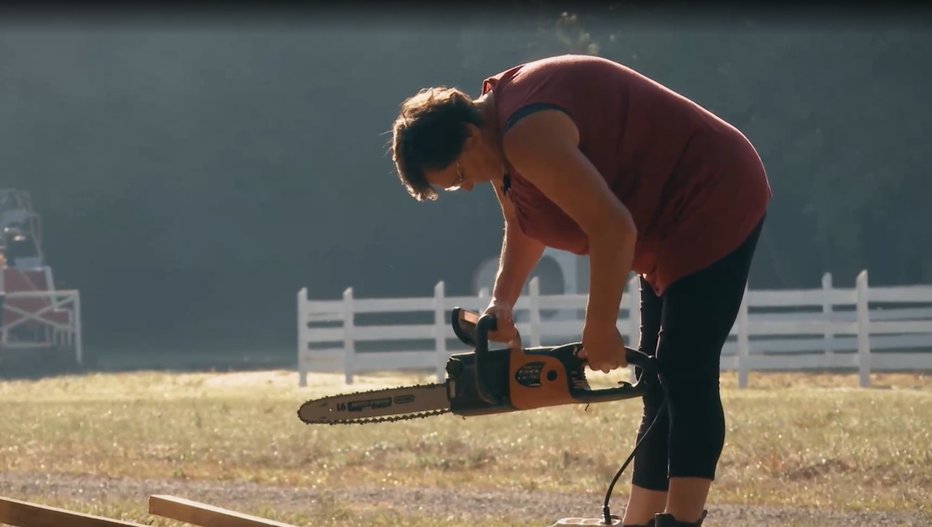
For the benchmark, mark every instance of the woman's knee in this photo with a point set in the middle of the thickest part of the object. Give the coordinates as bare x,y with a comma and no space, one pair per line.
697,427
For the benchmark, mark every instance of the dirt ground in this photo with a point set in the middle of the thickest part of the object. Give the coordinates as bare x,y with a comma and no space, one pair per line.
522,506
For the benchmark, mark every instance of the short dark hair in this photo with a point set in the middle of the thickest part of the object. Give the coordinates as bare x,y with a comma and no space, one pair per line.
428,134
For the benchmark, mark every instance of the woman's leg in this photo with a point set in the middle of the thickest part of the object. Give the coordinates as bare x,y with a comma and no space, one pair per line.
649,483
697,316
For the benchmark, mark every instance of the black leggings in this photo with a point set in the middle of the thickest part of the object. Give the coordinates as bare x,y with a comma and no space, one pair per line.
686,328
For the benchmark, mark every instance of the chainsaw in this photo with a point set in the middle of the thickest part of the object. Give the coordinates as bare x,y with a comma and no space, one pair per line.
484,381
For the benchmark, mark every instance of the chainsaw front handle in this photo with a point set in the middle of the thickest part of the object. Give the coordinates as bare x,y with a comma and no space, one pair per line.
641,360
648,373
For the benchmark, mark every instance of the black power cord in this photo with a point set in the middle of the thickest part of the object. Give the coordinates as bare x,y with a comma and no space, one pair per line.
606,511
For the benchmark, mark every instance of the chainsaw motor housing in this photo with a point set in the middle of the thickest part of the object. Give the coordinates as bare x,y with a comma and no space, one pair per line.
462,374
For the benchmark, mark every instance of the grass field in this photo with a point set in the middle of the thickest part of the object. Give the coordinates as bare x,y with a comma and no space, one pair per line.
100,443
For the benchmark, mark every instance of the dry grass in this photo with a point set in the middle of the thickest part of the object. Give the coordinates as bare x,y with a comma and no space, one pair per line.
793,439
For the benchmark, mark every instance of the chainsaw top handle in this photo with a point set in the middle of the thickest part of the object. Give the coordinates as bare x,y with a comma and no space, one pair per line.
466,327
485,324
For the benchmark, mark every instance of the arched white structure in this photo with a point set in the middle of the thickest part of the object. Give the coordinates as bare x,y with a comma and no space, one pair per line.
559,272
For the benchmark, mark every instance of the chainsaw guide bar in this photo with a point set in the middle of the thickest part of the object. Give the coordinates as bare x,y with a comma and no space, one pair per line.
377,406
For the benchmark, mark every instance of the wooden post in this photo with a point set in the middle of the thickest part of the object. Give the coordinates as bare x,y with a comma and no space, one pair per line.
302,337
349,343
827,310
534,310
205,515
634,311
78,336
864,342
744,341
440,331
26,514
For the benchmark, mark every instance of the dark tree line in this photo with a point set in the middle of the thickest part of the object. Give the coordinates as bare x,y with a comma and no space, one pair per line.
193,177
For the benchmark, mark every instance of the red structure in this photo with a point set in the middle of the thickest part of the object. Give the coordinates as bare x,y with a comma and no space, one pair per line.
33,313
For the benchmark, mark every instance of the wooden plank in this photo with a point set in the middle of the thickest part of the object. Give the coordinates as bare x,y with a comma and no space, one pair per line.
848,362
333,316
800,297
472,303
325,334
560,328
324,307
901,361
900,326
26,514
911,293
395,332
800,327
394,305
205,515
395,360
901,314
563,301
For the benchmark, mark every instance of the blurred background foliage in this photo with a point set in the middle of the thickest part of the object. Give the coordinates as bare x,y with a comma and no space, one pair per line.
194,170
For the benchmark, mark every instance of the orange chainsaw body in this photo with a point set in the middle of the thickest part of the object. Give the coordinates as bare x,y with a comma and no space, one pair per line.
488,381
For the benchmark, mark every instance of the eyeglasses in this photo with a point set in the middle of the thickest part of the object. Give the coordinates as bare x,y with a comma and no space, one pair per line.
460,178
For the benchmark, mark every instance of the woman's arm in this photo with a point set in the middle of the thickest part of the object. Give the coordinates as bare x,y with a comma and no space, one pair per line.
519,255
543,146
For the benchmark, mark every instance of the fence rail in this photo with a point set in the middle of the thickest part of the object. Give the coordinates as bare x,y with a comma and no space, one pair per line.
860,328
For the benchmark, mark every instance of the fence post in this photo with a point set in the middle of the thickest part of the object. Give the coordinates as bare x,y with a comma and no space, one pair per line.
634,311
534,310
744,341
78,339
302,337
440,335
634,316
864,343
827,309
349,343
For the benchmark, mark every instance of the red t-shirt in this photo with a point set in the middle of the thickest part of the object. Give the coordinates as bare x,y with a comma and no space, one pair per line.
693,183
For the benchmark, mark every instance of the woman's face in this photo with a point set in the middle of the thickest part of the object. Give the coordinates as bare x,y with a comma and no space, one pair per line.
476,164
450,179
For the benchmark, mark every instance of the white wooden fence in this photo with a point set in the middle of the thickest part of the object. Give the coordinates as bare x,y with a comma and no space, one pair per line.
860,328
